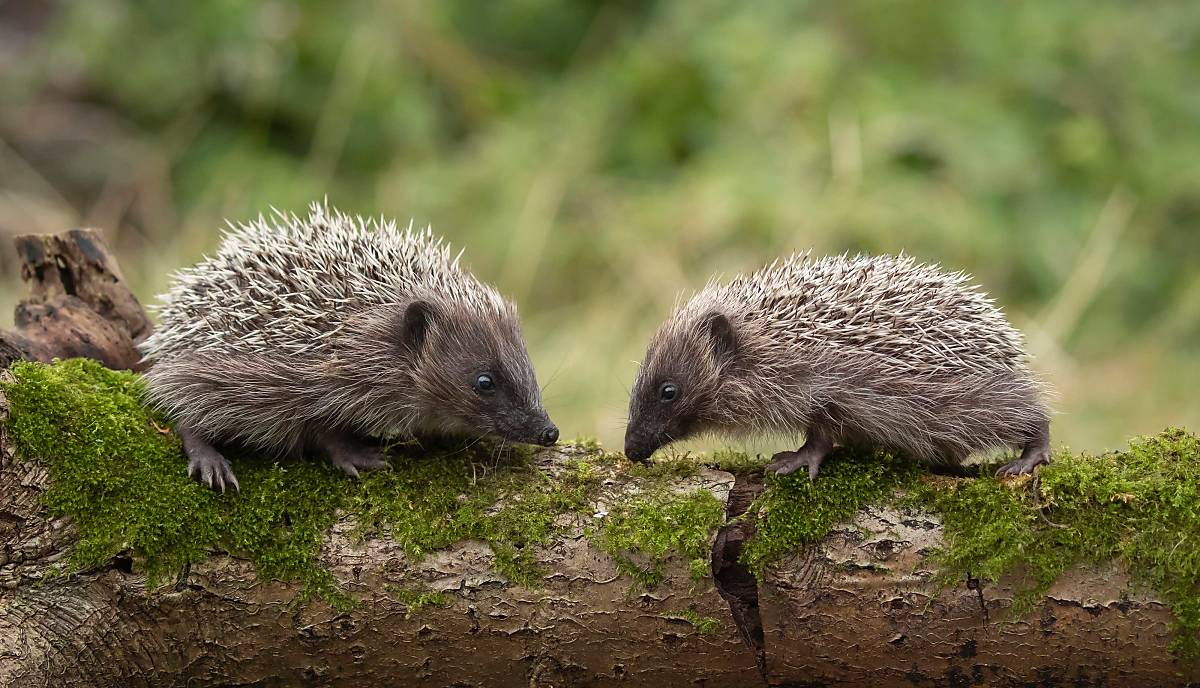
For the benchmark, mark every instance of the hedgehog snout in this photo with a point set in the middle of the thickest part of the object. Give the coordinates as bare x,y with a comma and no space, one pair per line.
541,430
536,428
639,449
544,433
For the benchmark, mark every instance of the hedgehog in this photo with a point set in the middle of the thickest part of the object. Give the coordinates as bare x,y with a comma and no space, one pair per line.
875,351
327,333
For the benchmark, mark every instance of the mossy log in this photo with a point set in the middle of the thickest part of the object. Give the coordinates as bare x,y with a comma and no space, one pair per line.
567,566
860,608
582,623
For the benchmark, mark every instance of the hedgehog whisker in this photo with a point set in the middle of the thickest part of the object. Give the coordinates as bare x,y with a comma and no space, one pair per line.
499,453
553,376
472,444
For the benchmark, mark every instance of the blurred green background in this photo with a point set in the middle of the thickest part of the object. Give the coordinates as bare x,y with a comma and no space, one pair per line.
598,159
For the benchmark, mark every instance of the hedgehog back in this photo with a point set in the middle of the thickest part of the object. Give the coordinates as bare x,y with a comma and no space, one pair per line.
902,316
286,286
880,348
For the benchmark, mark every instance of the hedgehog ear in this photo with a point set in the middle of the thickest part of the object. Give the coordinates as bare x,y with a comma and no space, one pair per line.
414,324
721,334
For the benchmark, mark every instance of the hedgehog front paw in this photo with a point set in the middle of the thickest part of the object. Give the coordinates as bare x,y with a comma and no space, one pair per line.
785,463
351,461
210,468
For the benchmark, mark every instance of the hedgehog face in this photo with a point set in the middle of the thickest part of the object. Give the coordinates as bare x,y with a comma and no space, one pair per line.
677,391
472,374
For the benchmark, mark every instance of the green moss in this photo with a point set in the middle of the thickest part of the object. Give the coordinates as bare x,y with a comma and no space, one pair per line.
736,462
704,625
795,512
1140,506
990,529
427,503
118,472
415,600
665,466
596,452
640,532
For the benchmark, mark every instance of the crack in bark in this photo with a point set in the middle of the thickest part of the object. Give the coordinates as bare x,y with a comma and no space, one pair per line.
736,584
976,584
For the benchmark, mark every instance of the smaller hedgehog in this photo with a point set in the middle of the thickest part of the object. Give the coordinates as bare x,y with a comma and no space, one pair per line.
876,351
317,333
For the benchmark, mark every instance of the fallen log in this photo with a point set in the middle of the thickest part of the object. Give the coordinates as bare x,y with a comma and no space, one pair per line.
568,566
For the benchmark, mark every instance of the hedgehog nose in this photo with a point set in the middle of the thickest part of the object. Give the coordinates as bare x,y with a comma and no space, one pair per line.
549,436
635,453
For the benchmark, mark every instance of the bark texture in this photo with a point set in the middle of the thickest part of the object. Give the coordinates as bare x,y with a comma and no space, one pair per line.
859,608
217,625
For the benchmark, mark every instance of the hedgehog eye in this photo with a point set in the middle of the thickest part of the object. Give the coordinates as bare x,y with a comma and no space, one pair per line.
668,391
484,384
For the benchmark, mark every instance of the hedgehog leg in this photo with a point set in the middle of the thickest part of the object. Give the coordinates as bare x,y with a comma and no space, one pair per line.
352,455
816,447
1035,453
205,463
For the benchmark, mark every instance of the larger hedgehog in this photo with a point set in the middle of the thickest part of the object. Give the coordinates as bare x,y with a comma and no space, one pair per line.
880,351
318,332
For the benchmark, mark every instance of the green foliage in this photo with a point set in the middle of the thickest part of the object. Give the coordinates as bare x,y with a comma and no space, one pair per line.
795,511
1139,506
597,159
640,532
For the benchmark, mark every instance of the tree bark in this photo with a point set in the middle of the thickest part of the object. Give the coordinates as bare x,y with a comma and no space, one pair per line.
218,625
858,608
78,305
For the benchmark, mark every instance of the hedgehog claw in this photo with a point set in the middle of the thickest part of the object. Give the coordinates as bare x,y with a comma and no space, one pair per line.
206,464
351,456
1035,453
211,469
352,463
785,463
815,449
1028,462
